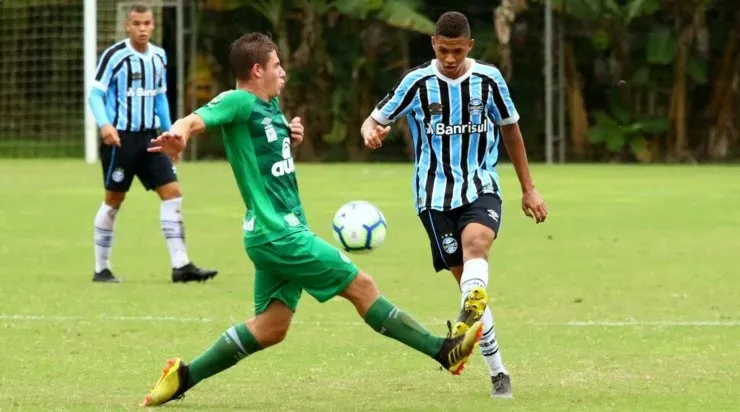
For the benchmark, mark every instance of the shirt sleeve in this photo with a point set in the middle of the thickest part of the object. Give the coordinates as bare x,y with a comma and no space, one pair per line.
225,108
162,81
110,62
500,106
97,106
398,101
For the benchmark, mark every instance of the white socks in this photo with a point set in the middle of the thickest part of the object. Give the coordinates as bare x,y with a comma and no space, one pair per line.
170,217
475,273
105,221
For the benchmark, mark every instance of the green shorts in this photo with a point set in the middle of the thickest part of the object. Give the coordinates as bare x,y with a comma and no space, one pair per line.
300,261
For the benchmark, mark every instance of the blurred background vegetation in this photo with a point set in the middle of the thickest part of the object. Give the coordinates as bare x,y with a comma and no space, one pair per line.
645,80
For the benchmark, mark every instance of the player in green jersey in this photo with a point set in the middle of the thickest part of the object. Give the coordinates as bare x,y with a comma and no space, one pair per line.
288,257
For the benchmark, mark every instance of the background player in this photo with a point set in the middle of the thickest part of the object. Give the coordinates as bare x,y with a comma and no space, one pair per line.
287,256
129,103
457,109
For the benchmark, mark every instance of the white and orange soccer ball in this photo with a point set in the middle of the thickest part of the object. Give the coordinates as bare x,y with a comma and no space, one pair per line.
359,227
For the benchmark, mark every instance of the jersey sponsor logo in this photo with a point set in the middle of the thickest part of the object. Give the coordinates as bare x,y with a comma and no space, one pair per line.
285,166
441,129
140,92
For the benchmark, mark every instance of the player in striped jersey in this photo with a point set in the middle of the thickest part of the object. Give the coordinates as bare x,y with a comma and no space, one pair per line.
129,103
458,110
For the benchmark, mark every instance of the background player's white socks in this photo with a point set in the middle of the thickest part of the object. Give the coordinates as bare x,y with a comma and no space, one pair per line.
170,217
104,223
475,273
489,346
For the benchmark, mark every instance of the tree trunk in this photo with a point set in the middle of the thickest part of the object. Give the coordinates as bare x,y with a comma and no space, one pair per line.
301,59
577,114
677,114
722,102
503,17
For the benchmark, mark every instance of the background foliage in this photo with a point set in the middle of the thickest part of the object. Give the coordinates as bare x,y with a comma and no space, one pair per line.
645,80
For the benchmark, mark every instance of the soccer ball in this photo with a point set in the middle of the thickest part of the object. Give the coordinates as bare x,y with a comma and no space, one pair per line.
359,227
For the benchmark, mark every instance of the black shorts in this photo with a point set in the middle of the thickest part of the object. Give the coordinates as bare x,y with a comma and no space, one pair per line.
445,228
121,164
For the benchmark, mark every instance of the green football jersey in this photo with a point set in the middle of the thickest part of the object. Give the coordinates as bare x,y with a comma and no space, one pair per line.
256,137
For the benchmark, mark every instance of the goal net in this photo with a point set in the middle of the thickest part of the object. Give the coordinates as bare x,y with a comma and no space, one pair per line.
42,96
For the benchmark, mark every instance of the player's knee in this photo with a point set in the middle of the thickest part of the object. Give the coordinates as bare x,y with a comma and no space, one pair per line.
362,288
477,243
169,191
114,199
275,335
267,331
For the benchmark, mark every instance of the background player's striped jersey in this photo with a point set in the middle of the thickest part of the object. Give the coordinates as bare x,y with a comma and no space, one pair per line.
130,80
454,125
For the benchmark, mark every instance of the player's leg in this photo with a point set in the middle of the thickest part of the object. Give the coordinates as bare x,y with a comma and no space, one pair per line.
275,302
480,224
118,174
324,272
447,253
156,172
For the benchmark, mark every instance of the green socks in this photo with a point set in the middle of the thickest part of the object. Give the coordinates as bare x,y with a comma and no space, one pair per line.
237,342
234,345
387,319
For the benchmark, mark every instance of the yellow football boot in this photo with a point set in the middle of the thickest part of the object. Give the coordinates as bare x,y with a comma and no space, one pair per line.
473,307
171,385
455,351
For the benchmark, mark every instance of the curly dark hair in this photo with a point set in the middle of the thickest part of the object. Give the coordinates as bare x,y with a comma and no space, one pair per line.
452,24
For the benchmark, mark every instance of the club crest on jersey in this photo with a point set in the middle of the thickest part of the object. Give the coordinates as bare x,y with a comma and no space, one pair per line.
475,107
269,130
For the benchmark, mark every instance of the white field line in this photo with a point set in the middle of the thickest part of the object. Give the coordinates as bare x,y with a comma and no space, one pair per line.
165,319
664,323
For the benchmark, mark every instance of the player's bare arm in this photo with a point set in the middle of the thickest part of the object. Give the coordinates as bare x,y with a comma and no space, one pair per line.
173,142
532,203
373,133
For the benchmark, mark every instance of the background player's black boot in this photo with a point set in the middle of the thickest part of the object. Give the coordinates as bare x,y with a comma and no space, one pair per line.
501,386
192,273
105,275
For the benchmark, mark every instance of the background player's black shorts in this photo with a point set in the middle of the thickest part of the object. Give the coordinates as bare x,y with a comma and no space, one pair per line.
444,228
121,164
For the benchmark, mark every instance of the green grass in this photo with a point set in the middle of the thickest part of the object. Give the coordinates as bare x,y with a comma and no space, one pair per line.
650,245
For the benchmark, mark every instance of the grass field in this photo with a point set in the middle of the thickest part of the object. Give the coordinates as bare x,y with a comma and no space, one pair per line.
627,298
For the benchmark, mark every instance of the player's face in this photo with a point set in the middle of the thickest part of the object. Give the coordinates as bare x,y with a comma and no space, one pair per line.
140,27
273,75
451,53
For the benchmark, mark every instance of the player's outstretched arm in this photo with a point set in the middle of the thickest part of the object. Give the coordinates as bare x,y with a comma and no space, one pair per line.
532,203
174,141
